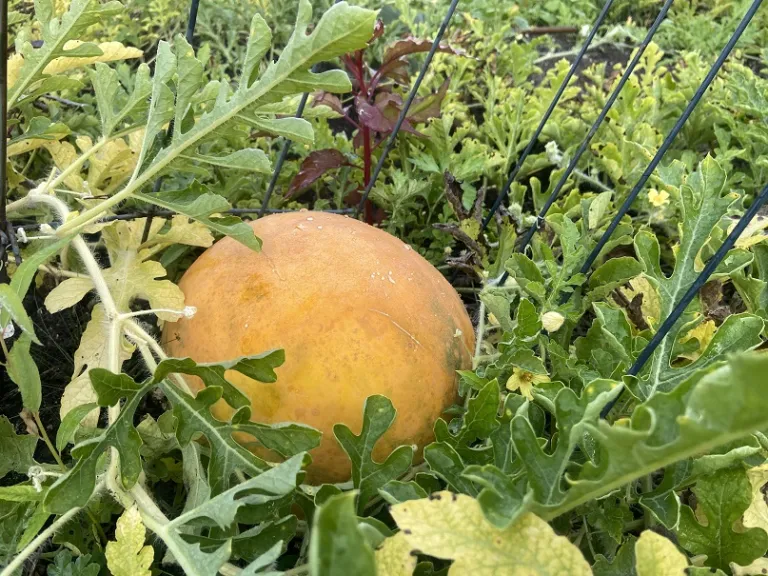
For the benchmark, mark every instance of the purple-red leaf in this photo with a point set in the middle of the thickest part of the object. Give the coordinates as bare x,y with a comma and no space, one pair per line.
373,117
412,45
327,99
313,167
422,109
378,30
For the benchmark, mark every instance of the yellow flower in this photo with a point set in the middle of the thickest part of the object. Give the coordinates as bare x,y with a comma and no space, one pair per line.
658,198
525,381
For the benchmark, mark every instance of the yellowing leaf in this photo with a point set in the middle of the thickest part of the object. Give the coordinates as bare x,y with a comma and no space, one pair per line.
753,234
111,51
552,321
184,231
756,516
127,555
15,62
129,277
77,393
452,527
91,353
657,556
67,294
112,164
703,333
470,227
394,558
64,154
757,568
651,307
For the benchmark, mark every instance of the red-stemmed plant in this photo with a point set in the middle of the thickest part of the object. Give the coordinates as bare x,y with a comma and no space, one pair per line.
372,110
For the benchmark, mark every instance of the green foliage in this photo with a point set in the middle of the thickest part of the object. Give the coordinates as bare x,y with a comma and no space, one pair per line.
523,476
339,546
722,499
368,475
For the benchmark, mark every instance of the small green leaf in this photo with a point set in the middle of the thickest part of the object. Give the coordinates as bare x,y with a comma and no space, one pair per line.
367,475
77,485
70,424
287,439
250,159
162,102
337,547
479,422
597,208
623,563
189,78
395,491
294,129
194,417
260,367
200,205
65,565
23,371
20,493
612,274
16,451
11,303
24,274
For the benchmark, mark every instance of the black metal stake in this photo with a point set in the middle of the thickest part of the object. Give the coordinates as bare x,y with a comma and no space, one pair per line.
189,35
672,135
4,242
404,112
593,130
532,142
690,294
281,158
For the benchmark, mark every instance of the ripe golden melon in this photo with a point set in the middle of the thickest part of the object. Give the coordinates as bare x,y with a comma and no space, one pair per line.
357,311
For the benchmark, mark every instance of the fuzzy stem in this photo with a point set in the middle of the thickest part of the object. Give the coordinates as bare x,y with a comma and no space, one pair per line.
80,160
91,266
127,315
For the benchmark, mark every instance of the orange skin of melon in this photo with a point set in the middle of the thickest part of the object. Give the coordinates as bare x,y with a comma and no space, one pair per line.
357,311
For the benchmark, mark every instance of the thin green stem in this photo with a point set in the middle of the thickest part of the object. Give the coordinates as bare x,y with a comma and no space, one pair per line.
47,440
41,538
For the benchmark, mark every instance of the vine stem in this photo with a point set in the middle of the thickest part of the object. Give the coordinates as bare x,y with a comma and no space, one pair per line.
47,440
80,160
41,538
119,325
151,515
